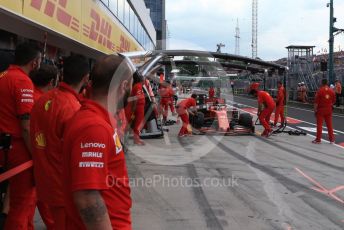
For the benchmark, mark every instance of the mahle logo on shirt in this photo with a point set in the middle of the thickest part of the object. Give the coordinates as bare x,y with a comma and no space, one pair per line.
47,105
40,141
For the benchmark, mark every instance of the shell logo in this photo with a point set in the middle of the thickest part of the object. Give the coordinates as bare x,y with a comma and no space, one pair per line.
40,141
47,105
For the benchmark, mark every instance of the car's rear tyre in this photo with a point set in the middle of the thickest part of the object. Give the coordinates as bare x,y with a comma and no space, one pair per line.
245,119
197,120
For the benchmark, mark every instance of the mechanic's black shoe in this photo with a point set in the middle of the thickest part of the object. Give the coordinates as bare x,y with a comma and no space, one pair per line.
316,141
269,133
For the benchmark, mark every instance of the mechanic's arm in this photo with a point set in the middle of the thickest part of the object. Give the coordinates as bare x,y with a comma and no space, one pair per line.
192,110
260,108
25,127
92,209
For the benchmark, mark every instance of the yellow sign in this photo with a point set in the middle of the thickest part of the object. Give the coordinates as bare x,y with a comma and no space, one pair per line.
82,20
12,5
101,31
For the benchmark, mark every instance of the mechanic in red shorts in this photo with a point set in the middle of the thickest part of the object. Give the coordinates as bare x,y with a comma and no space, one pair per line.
166,99
95,174
16,93
280,103
185,107
48,121
136,108
325,98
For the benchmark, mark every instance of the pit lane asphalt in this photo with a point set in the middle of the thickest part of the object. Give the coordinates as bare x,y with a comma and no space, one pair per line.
283,182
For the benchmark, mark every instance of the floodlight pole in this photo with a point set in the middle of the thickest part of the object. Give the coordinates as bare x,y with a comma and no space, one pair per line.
331,44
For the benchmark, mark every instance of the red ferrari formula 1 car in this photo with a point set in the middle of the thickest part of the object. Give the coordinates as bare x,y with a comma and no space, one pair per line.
214,117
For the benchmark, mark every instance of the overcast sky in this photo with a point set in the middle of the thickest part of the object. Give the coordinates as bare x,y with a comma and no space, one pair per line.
201,24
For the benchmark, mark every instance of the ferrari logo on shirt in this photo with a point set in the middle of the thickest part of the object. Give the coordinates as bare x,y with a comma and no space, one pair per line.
327,96
40,140
47,105
117,143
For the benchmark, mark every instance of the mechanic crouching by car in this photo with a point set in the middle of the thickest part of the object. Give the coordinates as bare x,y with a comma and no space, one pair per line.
185,107
266,106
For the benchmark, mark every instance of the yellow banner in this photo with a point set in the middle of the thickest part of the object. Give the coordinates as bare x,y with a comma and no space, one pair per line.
12,5
101,32
85,21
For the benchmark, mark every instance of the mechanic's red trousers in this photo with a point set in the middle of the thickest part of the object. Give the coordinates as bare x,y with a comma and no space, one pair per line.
264,118
46,215
324,114
185,119
59,215
279,112
22,190
139,120
165,103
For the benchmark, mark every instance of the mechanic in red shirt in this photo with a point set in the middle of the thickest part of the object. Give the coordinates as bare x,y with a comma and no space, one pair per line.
136,108
266,106
43,80
166,99
211,92
95,174
48,121
280,103
323,109
16,93
185,107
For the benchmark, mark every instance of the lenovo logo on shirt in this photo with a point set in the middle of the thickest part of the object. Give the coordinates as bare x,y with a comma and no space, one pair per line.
92,145
91,165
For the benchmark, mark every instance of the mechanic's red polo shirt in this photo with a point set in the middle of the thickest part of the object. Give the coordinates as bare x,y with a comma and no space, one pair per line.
94,160
325,98
37,93
265,99
48,119
187,103
16,93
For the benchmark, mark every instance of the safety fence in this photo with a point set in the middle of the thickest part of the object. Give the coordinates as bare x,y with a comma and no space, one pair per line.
16,170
